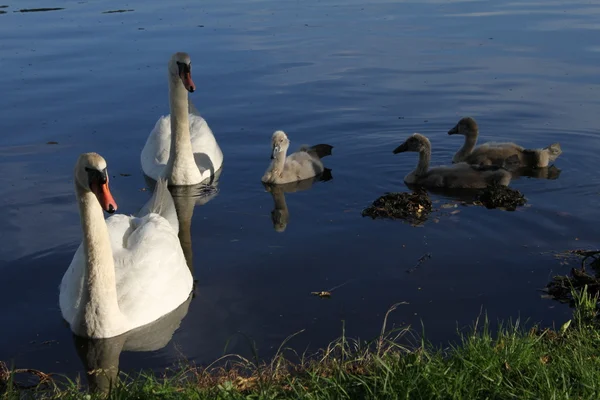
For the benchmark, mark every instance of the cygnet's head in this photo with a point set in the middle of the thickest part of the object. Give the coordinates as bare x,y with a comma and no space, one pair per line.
415,142
180,66
466,126
91,176
279,143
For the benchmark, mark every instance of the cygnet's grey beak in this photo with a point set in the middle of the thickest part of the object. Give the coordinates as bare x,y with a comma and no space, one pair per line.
401,149
453,131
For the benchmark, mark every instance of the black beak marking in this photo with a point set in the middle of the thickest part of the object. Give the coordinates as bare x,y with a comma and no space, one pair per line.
184,68
95,175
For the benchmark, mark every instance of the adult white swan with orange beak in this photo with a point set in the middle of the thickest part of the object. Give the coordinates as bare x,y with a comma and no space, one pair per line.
128,270
181,148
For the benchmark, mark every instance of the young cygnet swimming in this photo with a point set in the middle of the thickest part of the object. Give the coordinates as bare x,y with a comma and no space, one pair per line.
303,164
493,153
455,176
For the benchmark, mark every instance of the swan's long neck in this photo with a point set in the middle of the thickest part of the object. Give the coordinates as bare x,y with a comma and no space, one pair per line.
181,168
99,313
423,165
467,148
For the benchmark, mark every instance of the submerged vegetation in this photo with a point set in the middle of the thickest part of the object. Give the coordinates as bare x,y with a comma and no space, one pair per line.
416,207
412,207
562,287
498,196
512,363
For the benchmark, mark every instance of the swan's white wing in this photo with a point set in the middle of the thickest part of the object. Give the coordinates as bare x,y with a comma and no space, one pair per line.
71,286
162,204
152,275
207,153
155,153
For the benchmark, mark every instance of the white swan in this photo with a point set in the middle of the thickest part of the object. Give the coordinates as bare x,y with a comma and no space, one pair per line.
181,148
128,271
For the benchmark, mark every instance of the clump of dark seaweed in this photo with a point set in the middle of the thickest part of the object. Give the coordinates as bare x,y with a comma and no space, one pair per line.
495,196
412,207
561,287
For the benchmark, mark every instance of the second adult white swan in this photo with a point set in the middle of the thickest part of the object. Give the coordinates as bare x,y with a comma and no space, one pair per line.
181,148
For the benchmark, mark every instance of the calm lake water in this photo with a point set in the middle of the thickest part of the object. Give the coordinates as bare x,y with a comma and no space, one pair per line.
360,76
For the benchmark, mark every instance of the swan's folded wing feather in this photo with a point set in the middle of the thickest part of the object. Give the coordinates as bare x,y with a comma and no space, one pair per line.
71,286
152,275
155,154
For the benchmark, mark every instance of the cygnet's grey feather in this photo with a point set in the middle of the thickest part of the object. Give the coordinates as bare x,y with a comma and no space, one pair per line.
456,176
161,203
303,164
494,153
318,150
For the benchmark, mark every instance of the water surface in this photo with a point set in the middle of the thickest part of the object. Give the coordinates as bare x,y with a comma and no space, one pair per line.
360,76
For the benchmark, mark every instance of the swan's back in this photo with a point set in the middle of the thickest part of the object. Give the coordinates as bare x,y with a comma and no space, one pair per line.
151,273
493,153
301,165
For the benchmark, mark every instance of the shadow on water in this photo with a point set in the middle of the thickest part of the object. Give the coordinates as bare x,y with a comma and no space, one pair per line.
116,11
27,10
100,357
280,214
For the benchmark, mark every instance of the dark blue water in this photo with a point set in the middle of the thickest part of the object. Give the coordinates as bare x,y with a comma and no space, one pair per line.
360,76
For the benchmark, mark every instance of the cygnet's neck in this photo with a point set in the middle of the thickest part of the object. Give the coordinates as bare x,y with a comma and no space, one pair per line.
279,161
99,314
467,148
424,158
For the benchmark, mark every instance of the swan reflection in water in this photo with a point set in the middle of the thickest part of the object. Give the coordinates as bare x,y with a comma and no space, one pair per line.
280,214
100,357
185,199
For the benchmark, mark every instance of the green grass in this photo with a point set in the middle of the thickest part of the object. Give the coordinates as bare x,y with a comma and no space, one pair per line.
512,363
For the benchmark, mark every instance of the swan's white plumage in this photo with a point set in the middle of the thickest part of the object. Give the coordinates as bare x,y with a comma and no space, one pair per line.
207,153
151,272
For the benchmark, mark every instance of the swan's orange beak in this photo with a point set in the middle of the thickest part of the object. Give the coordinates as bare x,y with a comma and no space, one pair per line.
188,83
105,199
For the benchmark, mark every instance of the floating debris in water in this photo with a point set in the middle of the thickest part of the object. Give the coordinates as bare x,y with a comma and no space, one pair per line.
123,174
2,12
116,11
51,142
420,261
498,196
323,294
24,10
413,207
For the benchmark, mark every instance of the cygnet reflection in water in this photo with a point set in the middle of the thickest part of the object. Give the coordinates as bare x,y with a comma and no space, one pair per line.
280,214
550,173
100,357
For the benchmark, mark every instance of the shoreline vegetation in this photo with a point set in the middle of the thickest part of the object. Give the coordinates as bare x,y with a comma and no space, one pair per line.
510,363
